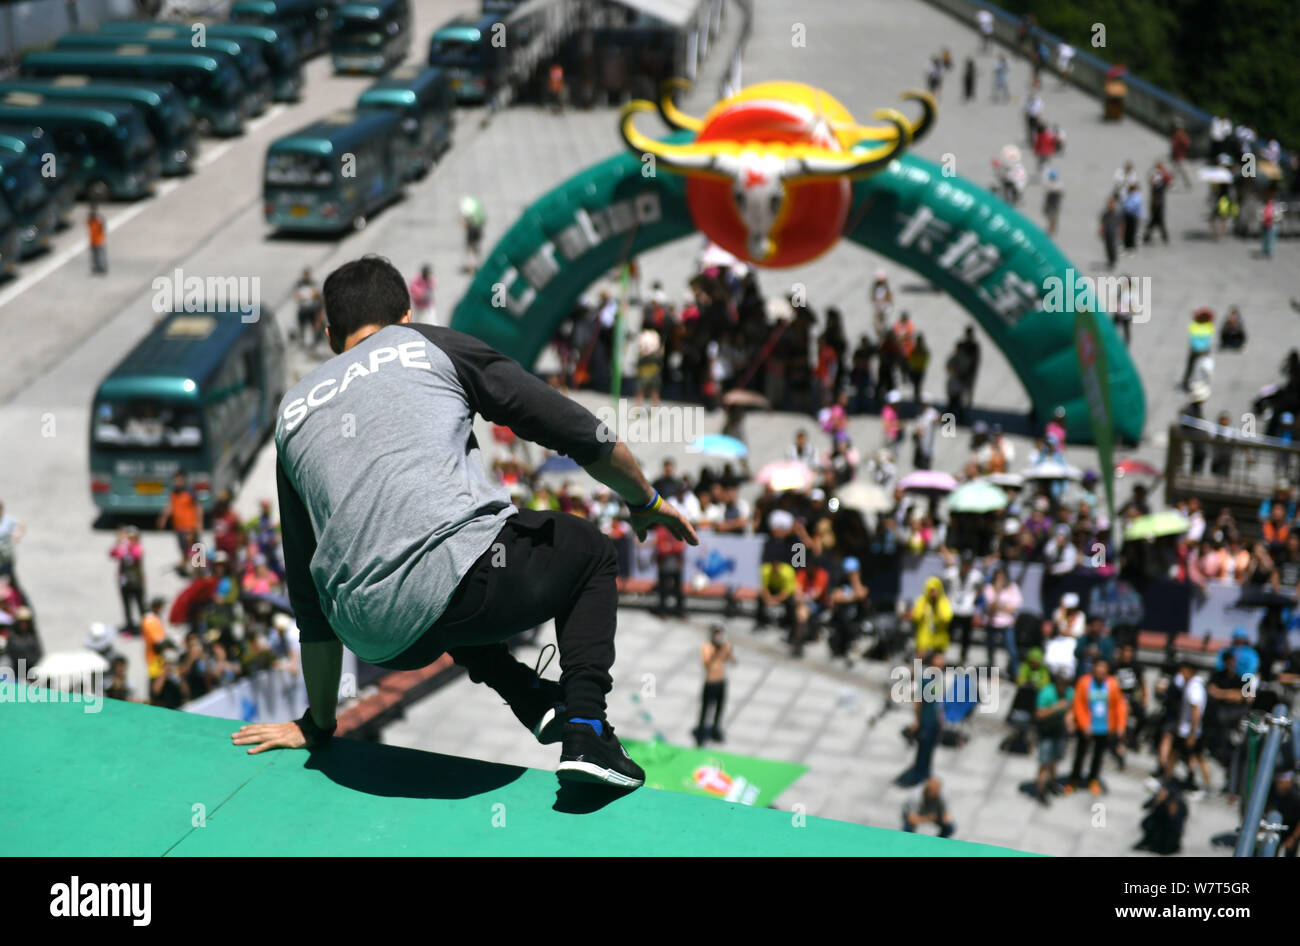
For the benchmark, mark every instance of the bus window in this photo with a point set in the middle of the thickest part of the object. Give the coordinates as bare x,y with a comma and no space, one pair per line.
456,52
147,424
298,170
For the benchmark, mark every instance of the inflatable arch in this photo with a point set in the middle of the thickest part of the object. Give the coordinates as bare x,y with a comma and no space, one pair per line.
998,265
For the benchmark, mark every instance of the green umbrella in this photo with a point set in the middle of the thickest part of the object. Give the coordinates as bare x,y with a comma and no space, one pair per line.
1156,525
977,496
471,209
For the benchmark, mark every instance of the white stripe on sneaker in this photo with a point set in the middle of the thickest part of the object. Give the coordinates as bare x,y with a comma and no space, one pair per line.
590,772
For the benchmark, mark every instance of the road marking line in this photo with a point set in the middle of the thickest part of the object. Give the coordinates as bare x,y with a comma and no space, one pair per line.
67,254
275,111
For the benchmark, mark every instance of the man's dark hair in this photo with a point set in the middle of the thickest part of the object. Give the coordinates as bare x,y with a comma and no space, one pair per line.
366,291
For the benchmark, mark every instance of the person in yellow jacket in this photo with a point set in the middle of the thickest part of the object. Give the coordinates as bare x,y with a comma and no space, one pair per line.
932,615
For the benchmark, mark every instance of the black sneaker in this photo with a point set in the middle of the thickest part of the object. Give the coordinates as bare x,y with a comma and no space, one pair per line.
543,713
588,757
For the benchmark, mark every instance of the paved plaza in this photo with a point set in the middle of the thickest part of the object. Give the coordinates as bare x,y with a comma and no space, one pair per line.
64,331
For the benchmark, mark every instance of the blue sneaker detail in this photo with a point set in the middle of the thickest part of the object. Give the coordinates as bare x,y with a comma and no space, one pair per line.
595,724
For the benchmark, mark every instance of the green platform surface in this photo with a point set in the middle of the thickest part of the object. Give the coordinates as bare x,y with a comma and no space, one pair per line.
138,780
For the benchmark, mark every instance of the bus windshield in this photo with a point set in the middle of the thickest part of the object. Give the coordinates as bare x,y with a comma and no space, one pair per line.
142,423
227,83
457,52
298,170
137,142
23,189
358,32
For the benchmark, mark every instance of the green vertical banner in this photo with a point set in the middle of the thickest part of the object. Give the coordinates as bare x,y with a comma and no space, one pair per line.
616,369
1090,348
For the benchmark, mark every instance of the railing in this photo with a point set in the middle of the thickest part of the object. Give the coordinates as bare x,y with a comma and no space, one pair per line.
1147,103
1222,466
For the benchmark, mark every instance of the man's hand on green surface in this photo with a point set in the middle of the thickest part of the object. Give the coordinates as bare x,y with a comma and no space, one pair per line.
269,736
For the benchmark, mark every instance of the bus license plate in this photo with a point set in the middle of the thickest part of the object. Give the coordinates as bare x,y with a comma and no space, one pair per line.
148,488
298,210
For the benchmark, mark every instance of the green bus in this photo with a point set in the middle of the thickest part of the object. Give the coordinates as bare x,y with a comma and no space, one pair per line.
464,48
307,20
246,60
198,396
11,241
28,200
169,119
277,48
424,99
211,87
117,157
333,173
61,179
370,35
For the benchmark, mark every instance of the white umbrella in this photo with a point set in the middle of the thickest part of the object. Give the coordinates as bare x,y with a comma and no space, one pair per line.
1053,470
1006,480
715,255
69,665
865,497
779,308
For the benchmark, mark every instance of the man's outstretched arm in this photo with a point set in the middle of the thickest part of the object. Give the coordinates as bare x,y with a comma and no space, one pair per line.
501,391
322,652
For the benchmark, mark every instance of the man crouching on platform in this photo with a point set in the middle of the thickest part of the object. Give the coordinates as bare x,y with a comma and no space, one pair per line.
398,544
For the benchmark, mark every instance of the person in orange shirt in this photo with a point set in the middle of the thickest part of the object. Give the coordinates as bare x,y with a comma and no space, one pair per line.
186,516
151,627
1100,717
555,82
98,244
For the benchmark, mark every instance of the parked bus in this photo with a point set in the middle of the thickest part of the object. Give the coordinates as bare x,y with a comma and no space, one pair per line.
307,20
424,99
60,177
464,48
277,47
11,241
246,60
117,157
198,396
333,173
169,119
28,202
211,87
370,35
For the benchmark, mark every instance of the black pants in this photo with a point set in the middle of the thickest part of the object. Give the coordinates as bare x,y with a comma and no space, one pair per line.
960,630
555,566
132,594
1157,222
670,586
715,696
1083,741
1131,222
1112,250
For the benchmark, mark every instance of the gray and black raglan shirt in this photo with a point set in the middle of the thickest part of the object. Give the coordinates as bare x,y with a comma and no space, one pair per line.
385,503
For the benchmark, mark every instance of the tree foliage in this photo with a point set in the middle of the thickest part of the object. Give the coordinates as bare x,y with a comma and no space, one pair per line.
1229,57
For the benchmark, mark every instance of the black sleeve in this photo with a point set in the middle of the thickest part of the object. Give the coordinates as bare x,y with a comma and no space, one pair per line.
504,393
299,543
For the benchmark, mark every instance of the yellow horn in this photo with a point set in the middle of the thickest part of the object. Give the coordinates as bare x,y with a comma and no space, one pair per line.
668,111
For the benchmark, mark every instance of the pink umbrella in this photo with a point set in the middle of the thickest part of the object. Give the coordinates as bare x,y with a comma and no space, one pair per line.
1135,467
787,474
928,481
